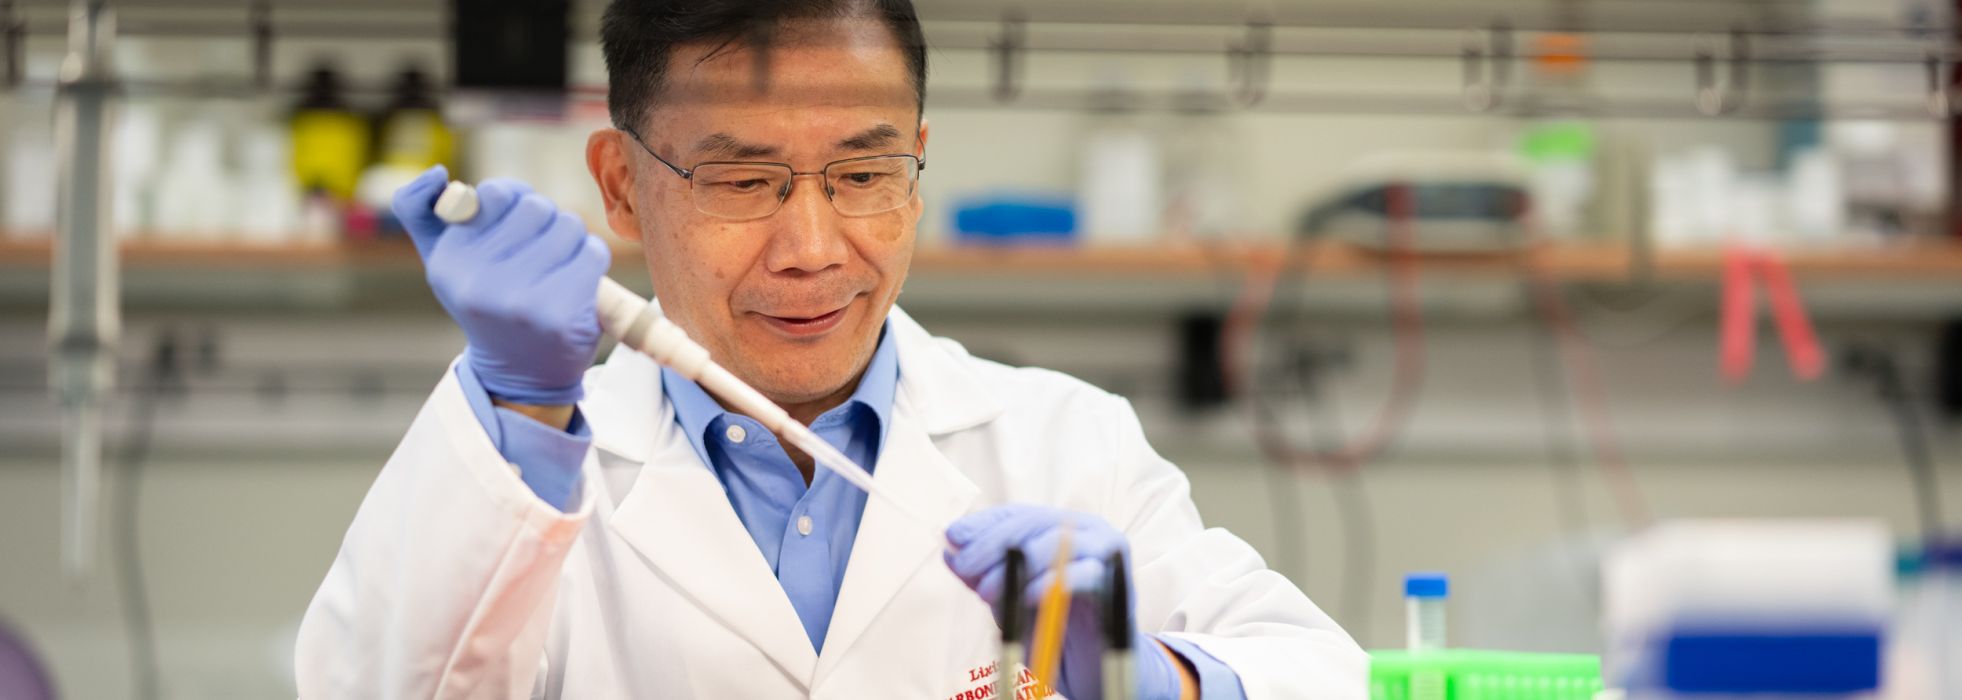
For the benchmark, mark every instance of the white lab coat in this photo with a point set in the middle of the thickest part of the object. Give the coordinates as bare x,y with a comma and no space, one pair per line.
456,581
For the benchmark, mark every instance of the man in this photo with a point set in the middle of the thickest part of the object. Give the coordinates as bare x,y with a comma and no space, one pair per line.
548,531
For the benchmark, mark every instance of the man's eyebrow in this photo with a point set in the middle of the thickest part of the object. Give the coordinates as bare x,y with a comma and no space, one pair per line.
873,139
720,146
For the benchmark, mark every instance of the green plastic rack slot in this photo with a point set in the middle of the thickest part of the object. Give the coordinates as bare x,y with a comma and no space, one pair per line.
1467,674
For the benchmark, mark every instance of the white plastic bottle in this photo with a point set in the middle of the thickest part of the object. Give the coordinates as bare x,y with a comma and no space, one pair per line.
1120,179
1425,595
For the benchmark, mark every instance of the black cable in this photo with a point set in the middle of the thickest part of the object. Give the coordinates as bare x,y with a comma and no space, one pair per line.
1300,372
1885,371
1353,508
161,377
1562,452
1306,366
1357,518
1651,313
1914,446
1287,504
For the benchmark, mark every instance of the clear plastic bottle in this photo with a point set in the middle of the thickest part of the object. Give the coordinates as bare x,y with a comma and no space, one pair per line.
1942,579
1425,595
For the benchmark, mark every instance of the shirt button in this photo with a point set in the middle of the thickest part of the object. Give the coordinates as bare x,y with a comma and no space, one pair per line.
803,525
735,434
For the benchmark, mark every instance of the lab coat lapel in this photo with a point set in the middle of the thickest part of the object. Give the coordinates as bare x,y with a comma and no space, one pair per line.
678,518
890,548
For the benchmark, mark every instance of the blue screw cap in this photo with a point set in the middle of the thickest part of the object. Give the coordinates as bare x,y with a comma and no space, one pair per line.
1426,584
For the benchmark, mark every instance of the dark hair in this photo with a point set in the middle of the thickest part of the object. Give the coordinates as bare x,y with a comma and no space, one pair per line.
637,37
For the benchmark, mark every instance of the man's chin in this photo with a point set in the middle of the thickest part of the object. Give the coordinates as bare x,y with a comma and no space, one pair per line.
794,385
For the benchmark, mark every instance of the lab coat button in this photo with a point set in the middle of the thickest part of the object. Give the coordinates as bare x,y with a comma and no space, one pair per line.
735,434
803,525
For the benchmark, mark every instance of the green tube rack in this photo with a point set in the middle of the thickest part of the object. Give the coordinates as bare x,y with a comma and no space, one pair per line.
1468,674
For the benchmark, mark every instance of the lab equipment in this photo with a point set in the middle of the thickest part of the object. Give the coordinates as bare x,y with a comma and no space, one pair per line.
1425,595
1008,616
511,46
1120,179
1120,671
1466,674
1205,178
639,324
84,319
410,138
193,201
1560,164
1708,608
1084,648
1015,219
1925,649
1948,369
413,133
1458,202
330,140
269,211
1945,581
1917,641
27,194
1743,268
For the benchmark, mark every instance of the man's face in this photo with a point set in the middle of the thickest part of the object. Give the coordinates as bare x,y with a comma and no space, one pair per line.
792,302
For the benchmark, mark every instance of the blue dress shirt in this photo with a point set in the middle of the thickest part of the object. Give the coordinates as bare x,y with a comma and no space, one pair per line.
548,459
805,532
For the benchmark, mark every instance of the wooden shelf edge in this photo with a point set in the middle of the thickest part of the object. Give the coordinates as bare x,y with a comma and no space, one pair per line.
1572,261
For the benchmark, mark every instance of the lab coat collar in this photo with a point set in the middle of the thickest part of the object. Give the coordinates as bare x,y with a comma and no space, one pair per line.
935,383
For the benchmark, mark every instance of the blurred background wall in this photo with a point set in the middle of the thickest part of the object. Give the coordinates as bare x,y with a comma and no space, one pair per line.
301,338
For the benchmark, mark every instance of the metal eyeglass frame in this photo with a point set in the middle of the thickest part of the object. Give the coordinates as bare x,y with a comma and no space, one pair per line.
919,166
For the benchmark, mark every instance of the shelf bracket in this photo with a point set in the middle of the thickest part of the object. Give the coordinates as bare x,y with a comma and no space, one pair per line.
1249,61
1941,100
1714,98
13,43
262,44
1488,67
1008,49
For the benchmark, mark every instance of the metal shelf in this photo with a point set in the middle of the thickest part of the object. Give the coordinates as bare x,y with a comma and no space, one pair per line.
1901,282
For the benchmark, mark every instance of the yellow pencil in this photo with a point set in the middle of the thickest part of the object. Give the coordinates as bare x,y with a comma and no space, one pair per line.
1052,620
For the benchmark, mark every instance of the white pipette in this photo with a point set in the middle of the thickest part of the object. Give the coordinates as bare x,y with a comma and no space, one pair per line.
639,325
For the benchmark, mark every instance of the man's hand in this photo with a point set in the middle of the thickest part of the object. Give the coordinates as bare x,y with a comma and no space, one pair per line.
520,279
984,539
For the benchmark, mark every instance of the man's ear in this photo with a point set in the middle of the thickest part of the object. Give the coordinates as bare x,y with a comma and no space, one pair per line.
919,204
608,159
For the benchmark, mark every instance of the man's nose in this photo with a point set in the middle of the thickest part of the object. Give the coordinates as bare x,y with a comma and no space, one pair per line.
808,237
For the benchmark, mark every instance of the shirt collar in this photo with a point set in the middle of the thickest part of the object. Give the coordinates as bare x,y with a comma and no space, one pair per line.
695,410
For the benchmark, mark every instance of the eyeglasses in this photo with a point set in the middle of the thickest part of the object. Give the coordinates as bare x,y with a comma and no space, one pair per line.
738,190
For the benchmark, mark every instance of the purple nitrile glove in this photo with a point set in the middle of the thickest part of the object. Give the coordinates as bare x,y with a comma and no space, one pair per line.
983,539
521,279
